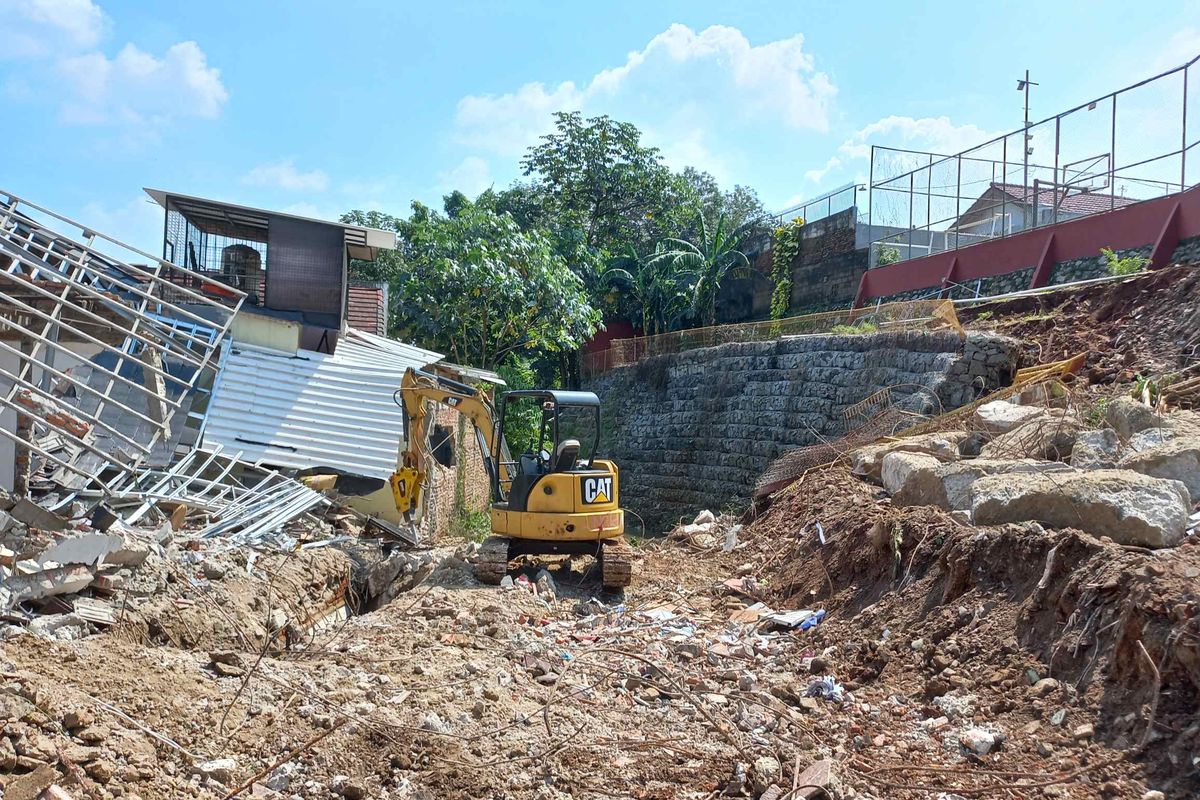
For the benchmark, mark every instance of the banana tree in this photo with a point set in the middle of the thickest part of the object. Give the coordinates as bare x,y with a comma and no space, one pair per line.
709,261
661,291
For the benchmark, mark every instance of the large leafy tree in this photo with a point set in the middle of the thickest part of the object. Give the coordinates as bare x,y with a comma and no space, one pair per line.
474,285
709,260
740,205
596,175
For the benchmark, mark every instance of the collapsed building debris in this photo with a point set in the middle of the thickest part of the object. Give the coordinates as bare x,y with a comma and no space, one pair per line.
99,355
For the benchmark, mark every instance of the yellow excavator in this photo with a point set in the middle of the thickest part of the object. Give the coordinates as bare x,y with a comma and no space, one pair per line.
557,498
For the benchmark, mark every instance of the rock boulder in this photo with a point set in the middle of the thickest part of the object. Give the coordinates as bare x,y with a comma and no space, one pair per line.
1095,449
1177,459
1050,436
1127,416
1001,416
917,479
868,461
1127,506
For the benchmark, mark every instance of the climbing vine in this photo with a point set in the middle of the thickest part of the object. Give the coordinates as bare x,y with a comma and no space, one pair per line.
785,249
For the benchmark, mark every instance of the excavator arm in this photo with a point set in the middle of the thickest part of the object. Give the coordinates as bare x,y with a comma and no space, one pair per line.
417,390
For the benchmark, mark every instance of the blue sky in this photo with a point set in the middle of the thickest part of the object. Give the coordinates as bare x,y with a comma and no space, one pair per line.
317,108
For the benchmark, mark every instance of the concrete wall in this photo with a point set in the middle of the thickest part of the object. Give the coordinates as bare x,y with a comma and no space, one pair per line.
824,275
694,430
1078,269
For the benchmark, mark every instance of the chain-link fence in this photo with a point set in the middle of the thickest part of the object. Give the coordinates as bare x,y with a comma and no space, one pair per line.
885,317
1134,144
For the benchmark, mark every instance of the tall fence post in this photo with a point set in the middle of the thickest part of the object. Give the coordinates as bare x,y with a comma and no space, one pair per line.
1183,145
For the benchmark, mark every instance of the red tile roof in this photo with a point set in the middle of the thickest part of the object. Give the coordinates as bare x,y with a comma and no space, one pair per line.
1076,203
367,308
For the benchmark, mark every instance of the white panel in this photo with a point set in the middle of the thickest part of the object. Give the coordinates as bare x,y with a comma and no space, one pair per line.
314,409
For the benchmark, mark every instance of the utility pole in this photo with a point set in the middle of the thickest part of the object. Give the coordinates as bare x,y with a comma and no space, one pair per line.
1023,86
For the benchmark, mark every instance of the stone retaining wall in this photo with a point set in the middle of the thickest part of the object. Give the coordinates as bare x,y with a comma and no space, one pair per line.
694,430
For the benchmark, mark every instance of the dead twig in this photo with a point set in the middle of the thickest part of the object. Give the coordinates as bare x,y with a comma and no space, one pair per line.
295,751
1145,740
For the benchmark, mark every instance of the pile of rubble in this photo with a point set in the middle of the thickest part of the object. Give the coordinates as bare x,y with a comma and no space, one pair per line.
1121,470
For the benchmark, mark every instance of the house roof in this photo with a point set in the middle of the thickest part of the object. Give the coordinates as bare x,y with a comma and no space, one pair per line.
1077,203
362,242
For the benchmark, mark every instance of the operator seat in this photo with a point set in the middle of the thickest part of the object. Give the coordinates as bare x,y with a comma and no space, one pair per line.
565,455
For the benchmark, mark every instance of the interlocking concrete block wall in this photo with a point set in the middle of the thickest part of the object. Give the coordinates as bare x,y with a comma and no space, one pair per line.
694,430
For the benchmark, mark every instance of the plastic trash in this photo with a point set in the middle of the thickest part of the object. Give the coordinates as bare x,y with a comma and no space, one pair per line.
826,688
813,621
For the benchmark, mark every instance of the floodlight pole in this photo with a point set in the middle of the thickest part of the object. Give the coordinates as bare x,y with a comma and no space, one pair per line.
1024,85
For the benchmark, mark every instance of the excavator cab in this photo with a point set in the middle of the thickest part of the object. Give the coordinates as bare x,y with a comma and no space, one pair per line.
566,417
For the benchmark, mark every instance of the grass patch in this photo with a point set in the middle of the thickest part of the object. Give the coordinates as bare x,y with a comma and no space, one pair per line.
472,525
862,327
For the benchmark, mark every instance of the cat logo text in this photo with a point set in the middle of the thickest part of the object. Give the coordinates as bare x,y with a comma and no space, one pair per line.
597,489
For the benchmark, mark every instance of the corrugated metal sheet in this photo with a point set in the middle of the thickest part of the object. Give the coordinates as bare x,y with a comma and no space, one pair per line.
312,409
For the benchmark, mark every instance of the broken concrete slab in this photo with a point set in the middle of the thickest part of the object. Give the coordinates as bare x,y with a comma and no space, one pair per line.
1177,459
1095,449
1049,436
1126,506
35,516
916,479
47,583
867,461
1001,416
87,549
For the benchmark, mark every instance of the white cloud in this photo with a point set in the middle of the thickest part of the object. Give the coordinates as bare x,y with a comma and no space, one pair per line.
139,87
1181,48
718,67
57,46
508,123
931,134
137,222
38,27
470,176
284,175
817,175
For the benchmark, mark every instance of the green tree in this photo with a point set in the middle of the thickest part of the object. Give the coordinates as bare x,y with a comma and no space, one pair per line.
663,293
477,287
596,175
740,205
712,258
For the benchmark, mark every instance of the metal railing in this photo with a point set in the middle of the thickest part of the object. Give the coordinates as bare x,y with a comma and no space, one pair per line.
826,205
1134,144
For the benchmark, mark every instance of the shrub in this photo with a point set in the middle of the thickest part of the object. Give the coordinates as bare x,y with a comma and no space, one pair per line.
1129,265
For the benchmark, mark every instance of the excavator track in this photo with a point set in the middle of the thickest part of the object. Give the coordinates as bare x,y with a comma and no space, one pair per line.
491,562
616,563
